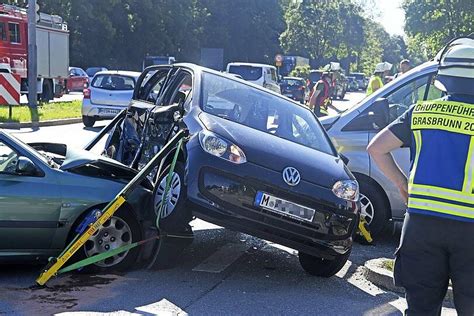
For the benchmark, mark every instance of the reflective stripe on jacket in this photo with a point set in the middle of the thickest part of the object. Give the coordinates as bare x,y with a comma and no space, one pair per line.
442,176
374,79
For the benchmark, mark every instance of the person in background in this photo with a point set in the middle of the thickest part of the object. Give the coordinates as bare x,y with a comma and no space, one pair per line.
321,95
404,67
377,80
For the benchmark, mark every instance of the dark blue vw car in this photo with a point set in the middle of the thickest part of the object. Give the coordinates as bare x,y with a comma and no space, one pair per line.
255,162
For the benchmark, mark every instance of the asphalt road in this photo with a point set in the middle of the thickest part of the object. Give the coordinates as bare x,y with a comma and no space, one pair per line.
221,273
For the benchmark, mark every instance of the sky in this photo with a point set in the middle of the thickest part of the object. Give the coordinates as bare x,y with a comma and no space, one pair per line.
392,16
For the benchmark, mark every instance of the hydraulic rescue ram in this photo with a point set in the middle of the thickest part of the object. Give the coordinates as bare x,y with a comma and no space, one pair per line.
55,264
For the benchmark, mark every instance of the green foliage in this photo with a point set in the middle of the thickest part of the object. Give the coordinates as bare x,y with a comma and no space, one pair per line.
120,33
431,24
322,32
46,111
301,72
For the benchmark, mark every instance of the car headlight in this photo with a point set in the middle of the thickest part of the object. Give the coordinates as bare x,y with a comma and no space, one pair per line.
220,147
346,189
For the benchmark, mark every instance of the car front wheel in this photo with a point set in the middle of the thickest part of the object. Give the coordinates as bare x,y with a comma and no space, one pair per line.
174,215
120,230
373,208
322,267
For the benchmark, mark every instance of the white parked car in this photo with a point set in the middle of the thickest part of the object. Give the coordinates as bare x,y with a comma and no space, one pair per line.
109,93
260,74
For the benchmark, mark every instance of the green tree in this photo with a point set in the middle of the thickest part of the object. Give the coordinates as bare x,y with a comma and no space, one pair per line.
322,32
433,23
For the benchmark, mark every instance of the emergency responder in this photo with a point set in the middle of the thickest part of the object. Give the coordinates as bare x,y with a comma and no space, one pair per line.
321,95
437,242
377,80
405,65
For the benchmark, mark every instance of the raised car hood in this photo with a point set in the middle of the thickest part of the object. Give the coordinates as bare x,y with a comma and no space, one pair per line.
78,157
275,153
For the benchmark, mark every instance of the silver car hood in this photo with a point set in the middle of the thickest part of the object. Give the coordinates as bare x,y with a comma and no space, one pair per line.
79,157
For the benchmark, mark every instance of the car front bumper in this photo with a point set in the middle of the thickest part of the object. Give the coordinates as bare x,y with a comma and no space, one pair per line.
224,193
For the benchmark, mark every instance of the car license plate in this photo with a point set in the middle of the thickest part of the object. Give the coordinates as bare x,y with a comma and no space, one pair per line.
284,207
288,95
109,111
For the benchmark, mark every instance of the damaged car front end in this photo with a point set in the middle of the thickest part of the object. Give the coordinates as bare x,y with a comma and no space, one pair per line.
52,189
254,162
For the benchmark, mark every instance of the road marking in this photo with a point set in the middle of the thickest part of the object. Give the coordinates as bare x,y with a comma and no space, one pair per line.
163,307
222,258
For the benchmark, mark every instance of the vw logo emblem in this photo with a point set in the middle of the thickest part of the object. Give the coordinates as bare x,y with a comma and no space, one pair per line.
291,176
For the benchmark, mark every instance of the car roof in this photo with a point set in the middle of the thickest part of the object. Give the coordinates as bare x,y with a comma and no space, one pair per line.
250,64
127,73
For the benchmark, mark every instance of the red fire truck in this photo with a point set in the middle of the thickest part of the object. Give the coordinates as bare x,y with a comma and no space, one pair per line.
52,42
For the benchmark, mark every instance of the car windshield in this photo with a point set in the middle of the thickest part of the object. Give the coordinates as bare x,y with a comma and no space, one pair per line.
315,76
292,82
92,71
246,72
263,111
113,82
358,76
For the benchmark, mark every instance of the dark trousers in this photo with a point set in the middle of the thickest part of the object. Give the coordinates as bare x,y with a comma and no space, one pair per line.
432,251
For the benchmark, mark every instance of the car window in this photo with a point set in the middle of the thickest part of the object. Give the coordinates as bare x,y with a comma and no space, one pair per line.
8,159
181,90
113,82
238,102
433,92
247,72
14,30
292,82
155,91
406,95
274,76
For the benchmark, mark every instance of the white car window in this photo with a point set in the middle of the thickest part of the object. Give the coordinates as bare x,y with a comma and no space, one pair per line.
113,82
8,159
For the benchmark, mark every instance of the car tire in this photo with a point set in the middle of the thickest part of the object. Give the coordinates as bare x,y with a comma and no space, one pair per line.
175,216
320,267
88,121
47,94
374,208
121,229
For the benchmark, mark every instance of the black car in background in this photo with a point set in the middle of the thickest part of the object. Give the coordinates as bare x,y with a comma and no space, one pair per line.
254,162
361,80
294,88
352,84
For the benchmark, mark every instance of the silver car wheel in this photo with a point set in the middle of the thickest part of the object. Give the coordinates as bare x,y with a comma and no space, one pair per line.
172,197
367,208
113,234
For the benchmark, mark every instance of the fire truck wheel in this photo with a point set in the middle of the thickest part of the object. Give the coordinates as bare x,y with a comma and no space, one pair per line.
47,94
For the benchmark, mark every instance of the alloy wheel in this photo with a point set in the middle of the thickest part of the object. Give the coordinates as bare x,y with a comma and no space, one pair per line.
367,208
113,234
171,198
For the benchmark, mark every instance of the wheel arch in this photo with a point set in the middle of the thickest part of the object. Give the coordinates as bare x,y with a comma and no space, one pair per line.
126,206
362,177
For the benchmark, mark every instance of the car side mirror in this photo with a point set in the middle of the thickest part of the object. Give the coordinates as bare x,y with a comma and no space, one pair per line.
25,167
